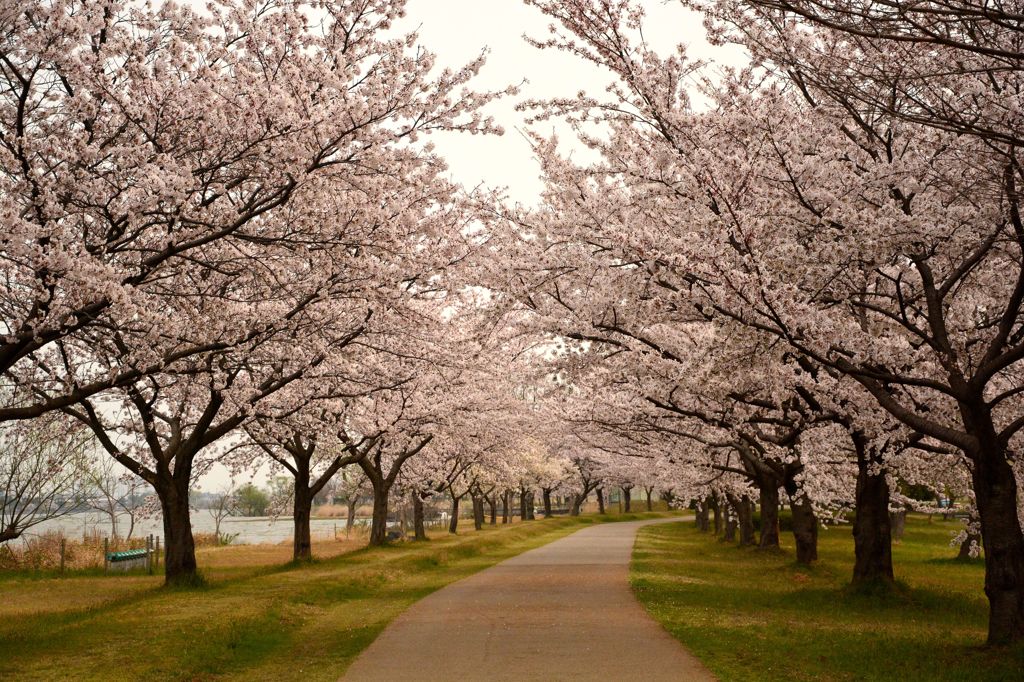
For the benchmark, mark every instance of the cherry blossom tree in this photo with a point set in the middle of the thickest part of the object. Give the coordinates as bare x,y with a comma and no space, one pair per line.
939,288
134,141
204,207
312,464
873,240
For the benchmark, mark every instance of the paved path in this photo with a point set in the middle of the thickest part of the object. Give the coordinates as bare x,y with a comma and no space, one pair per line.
563,611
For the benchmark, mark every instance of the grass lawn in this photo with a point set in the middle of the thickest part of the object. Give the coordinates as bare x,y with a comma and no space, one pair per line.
751,615
253,621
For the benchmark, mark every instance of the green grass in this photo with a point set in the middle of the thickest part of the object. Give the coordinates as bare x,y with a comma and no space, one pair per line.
751,615
258,623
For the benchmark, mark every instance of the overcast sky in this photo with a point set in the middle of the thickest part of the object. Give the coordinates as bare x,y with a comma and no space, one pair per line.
457,30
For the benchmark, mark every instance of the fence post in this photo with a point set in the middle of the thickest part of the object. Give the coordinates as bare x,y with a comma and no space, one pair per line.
63,547
149,554
106,558
156,554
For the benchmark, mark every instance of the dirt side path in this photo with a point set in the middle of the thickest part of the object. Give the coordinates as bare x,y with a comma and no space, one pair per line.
563,611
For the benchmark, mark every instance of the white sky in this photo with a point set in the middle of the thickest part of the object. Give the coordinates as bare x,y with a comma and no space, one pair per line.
457,30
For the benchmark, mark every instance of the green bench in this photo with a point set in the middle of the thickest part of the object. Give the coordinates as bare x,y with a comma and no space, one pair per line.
126,555
129,559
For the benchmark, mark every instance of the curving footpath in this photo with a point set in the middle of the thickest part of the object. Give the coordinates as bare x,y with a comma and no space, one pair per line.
563,611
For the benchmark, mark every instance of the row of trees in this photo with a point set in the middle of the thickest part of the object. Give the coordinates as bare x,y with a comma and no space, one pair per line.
810,284
227,241
224,241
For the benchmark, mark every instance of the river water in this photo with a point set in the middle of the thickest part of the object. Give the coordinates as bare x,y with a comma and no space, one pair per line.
250,530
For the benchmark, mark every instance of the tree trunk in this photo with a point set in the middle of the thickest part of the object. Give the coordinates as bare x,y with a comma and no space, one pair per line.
898,523
872,533
716,508
995,491
546,492
730,524
478,512
522,504
577,501
492,504
703,524
600,501
112,513
769,516
453,522
649,491
506,506
352,503
529,506
745,517
379,520
12,533
627,498
302,547
179,545
419,528
805,529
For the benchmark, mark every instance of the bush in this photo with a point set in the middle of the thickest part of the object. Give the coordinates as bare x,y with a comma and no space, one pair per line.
251,501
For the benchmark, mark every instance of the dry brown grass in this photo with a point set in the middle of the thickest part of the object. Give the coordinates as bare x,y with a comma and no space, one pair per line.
42,552
242,556
82,553
330,511
261,555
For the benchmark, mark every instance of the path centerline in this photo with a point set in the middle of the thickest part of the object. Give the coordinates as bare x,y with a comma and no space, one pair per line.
563,611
